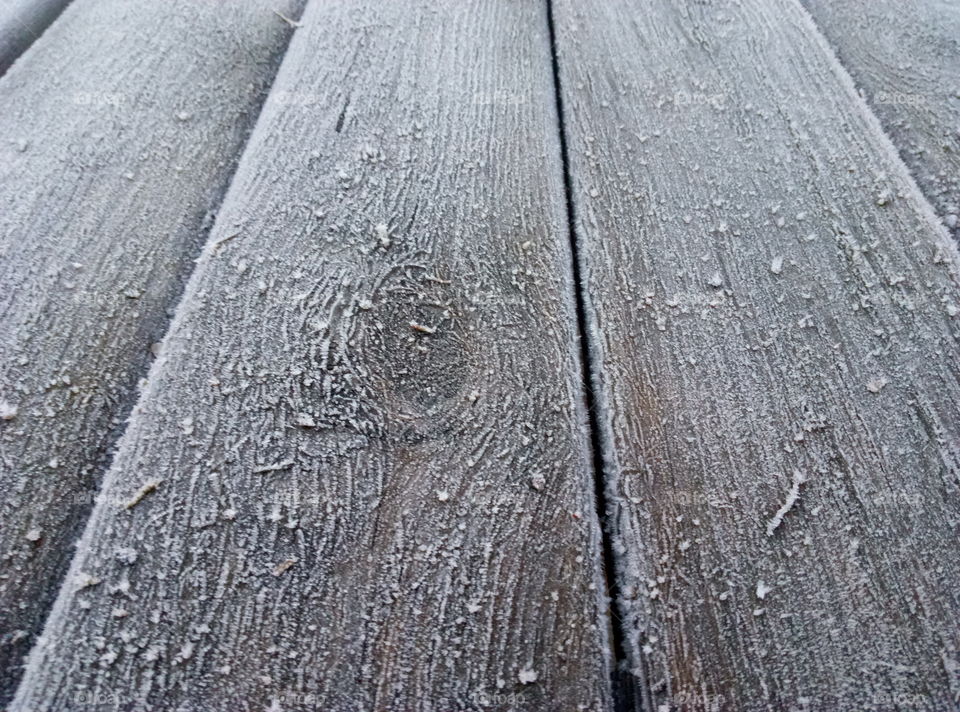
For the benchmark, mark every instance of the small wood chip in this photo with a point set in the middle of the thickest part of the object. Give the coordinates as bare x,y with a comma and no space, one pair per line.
85,580
142,492
292,23
283,566
275,467
224,240
421,328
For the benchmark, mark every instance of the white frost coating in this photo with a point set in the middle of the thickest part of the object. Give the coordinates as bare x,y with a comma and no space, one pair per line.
394,128
105,200
8,411
792,496
305,420
898,168
527,676
903,58
747,143
383,235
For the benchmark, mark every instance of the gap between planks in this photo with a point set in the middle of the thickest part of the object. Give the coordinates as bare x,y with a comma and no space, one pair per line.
594,616
846,77
622,689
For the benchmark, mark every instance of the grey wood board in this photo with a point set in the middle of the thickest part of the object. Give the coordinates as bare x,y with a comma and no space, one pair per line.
119,131
772,309
359,472
21,24
904,56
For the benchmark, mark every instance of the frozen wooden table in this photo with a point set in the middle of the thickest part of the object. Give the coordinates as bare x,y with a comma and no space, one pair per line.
536,356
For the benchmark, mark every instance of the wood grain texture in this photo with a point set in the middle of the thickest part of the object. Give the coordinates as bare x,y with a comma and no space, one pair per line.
773,316
21,24
904,56
119,131
373,487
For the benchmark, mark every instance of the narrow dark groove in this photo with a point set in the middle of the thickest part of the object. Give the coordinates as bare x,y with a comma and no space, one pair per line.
898,153
622,689
39,24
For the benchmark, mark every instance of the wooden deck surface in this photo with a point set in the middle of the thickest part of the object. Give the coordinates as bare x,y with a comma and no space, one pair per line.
116,145
485,356
776,365
905,60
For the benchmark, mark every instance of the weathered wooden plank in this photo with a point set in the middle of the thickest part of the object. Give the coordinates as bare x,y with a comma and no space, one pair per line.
365,428
773,308
904,55
119,131
21,24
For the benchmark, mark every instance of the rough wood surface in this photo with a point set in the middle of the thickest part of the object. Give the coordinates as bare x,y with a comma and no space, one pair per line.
118,133
773,312
359,473
21,24
904,56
